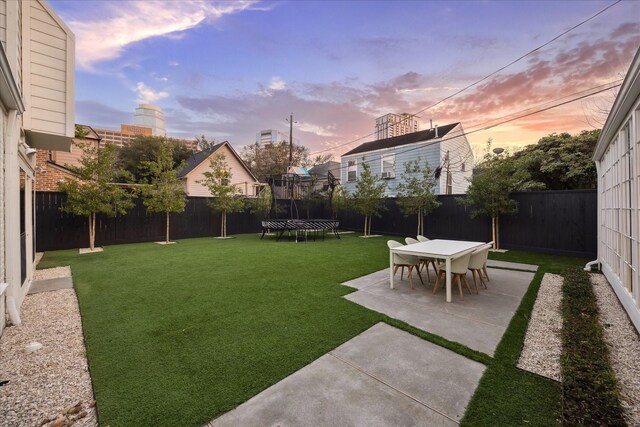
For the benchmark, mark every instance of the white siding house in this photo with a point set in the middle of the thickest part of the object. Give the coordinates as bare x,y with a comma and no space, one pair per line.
36,106
444,147
193,173
617,157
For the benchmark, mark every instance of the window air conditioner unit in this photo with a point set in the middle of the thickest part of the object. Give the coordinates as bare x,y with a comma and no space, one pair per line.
388,175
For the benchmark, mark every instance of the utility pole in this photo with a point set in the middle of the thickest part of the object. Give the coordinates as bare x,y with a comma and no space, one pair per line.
291,139
448,176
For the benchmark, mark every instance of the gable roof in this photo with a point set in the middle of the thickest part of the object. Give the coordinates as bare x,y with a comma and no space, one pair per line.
322,169
197,158
409,138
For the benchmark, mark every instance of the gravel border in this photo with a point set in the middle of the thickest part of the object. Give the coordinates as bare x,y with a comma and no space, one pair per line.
50,386
543,342
624,347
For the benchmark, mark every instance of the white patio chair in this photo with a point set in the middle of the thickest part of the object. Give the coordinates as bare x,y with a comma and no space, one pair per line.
403,261
477,262
428,261
458,271
484,266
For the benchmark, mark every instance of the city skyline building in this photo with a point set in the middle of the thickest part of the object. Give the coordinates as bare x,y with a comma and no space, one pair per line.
150,116
391,125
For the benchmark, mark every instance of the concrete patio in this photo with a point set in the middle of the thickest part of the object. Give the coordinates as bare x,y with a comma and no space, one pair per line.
386,376
478,321
382,377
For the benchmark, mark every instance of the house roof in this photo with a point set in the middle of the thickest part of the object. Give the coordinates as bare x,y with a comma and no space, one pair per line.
321,170
197,158
409,138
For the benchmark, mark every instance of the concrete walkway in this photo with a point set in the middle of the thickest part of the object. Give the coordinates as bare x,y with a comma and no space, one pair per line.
382,377
478,321
47,285
388,377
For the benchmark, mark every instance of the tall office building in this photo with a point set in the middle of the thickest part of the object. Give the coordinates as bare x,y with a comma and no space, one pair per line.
272,136
126,134
150,116
391,125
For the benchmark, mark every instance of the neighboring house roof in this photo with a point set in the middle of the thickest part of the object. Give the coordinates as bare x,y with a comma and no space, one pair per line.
196,158
409,138
91,133
321,170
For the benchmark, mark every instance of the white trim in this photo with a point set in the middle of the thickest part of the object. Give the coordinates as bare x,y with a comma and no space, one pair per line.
627,96
625,298
9,91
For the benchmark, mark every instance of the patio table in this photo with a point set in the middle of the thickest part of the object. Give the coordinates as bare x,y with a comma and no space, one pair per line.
437,248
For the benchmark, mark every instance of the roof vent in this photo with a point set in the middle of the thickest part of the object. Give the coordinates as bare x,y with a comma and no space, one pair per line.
436,128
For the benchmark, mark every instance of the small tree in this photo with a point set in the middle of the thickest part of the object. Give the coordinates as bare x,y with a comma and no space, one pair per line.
416,192
227,197
339,201
93,191
491,184
368,199
163,191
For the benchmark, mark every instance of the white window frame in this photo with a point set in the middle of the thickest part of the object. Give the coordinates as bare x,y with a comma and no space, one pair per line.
352,166
385,159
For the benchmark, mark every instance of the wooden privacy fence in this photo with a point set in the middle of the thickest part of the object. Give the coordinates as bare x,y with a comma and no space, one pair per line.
560,222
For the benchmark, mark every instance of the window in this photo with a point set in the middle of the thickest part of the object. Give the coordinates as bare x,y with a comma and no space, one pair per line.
352,170
389,166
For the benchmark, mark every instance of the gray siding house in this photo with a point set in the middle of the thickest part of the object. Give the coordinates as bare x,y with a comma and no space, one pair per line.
445,148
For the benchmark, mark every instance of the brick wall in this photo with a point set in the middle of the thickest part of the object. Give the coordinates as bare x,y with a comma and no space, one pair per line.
47,174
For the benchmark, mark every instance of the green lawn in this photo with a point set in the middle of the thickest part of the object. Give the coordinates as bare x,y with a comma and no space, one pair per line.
179,334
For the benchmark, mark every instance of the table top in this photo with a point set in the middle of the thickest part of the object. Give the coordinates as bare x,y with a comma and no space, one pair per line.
438,248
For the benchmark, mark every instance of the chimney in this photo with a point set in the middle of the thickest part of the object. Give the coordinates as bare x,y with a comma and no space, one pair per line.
430,124
436,128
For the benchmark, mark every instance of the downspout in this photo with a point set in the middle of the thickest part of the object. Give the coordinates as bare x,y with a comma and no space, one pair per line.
590,264
12,308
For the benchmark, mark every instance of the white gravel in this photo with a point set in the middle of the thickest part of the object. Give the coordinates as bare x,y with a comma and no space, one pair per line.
42,384
624,347
543,341
52,273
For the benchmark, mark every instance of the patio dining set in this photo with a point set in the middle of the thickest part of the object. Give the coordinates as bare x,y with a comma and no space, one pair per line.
449,258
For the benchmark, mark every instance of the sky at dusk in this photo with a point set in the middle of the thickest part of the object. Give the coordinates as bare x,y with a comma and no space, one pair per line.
230,69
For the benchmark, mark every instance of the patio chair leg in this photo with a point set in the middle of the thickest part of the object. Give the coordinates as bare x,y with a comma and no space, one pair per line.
435,268
425,263
482,282
464,278
410,276
401,271
435,287
420,275
473,273
395,269
484,268
459,286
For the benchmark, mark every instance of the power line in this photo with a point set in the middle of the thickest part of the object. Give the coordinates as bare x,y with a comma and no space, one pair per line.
521,116
409,116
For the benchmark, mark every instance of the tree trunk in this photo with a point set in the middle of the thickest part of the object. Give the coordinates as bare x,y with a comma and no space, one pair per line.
364,232
90,232
494,232
497,232
167,238
222,224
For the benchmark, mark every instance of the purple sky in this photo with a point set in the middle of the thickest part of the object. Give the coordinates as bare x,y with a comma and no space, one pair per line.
230,69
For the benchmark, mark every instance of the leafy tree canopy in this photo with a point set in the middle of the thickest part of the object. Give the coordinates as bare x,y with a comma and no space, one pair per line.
144,149
273,159
415,192
562,161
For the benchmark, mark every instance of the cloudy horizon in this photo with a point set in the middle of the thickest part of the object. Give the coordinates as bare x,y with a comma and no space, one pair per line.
230,69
